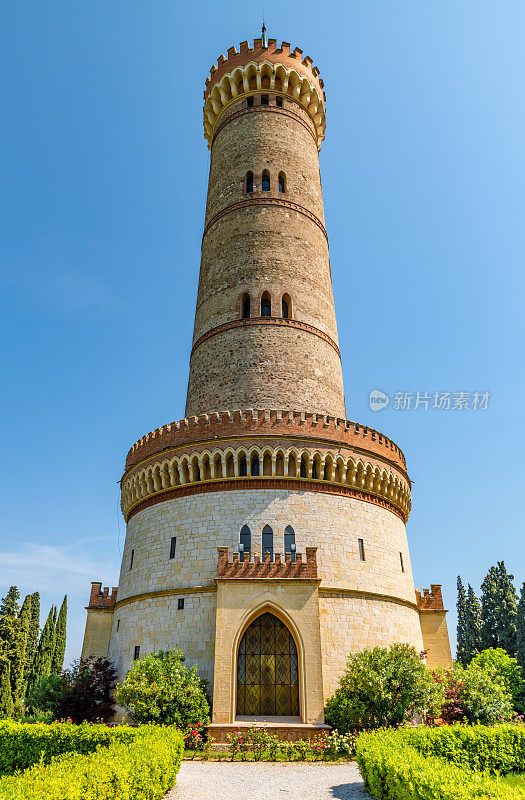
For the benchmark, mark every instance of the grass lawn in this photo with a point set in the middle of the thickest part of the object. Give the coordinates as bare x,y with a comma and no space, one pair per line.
516,780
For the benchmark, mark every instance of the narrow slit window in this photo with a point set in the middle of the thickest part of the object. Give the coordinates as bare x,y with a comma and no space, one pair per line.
361,549
282,183
246,307
249,182
136,654
245,543
173,546
286,306
265,101
289,539
279,102
265,181
266,306
249,102
180,603
401,562
118,624
267,542
131,560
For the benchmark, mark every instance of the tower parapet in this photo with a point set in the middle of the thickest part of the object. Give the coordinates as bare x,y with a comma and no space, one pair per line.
279,70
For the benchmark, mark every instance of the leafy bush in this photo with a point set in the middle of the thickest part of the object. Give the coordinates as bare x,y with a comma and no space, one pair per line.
383,687
23,744
159,688
393,770
497,661
83,692
473,694
143,768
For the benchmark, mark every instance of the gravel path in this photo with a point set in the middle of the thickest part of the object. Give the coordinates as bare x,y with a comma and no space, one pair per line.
216,780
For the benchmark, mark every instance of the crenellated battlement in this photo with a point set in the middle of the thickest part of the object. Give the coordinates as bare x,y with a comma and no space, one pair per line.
255,569
102,598
430,601
249,422
260,69
284,52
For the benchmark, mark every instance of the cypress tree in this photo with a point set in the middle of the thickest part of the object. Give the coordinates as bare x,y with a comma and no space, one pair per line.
60,639
472,624
44,653
499,610
9,610
32,637
520,654
18,662
461,629
489,611
6,698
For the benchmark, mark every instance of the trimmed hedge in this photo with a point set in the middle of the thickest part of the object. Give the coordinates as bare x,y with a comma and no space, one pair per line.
143,767
441,763
23,744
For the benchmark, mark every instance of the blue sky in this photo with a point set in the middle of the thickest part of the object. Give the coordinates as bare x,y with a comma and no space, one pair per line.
103,174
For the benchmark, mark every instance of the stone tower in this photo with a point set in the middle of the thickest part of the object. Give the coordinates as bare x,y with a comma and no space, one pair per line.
265,524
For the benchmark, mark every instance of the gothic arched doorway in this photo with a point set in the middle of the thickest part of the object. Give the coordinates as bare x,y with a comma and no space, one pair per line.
267,670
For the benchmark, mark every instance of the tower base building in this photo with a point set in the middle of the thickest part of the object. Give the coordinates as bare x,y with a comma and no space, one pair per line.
265,531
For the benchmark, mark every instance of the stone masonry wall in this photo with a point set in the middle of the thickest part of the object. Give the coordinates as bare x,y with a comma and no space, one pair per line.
265,241
202,523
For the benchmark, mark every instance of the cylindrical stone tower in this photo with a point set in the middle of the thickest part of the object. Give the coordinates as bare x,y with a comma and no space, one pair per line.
266,532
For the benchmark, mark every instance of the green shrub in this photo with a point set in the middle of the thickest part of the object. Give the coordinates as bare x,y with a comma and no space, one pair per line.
497,661
159,688
383,687
23,744
142,768
440,763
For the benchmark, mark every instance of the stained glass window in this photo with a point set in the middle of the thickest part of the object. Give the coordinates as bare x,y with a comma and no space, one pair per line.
267,670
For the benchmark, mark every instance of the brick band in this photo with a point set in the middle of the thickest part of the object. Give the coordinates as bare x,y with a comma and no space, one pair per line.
279,321
266,201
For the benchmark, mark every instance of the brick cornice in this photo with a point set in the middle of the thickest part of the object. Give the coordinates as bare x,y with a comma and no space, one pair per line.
281,483
278,321
263,109
265,201
271,423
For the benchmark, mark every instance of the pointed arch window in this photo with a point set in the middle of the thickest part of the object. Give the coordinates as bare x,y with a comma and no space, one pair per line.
246,313
243,467
267,542
302,469
249,182
255,467
265,181
245,540
286,306
289,541
266,305
282,183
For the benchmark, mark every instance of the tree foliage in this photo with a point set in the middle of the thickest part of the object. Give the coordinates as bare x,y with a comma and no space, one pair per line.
520,633
81,693
18,659
499,610
59,649
160,688
32,636
461,635
383,687
6,697
497,662
41,666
